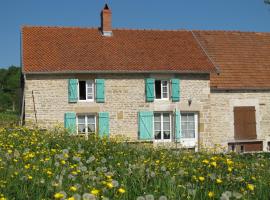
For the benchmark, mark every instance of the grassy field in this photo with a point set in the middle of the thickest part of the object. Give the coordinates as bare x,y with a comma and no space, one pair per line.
41,165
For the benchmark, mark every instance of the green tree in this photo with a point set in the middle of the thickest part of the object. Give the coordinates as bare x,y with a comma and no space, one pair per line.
10,88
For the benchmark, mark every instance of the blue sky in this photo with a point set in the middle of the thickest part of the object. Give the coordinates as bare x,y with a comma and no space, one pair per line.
244,15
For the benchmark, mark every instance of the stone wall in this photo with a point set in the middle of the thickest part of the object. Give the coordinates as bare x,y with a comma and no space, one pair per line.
222,123
124,98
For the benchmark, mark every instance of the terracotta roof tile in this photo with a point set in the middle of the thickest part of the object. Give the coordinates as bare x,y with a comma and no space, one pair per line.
64,49
243,58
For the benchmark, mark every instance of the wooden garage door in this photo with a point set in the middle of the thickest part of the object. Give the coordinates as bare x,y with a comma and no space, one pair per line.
244,123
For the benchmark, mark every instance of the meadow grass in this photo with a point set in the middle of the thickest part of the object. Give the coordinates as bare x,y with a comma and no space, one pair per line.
8,119
54,165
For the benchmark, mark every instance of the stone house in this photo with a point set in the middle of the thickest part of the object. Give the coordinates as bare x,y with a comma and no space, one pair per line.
187,88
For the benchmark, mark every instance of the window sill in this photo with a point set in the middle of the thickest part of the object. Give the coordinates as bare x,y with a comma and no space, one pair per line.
86,101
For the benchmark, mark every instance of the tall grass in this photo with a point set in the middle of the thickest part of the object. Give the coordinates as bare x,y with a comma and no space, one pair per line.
54,165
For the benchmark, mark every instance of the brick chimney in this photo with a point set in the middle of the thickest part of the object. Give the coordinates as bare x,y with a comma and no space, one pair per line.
106,21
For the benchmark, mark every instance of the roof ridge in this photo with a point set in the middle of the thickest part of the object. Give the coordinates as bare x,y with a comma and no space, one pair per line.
143,29
231,31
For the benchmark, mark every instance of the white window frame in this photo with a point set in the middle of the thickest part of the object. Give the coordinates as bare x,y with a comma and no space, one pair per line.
85,123
162,131
161,85
87,82
191,142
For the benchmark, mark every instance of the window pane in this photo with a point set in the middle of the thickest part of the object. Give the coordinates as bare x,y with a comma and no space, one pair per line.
157,126
166,117
158,89
91,128
184,126
82,94
165,95
81,128
183,117
90,89
167,135
164,83
166,126
91,119
191,117
157,135
157,117
81,119
191,126
190,134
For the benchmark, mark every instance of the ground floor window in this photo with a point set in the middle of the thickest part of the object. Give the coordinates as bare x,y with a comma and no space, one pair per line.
162,126
86,124
189,129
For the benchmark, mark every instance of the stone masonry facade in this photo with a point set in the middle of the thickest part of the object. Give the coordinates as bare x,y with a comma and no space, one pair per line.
124,98
222,115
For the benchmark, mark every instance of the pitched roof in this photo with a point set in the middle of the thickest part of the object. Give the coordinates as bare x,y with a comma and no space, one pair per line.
243,58
64,49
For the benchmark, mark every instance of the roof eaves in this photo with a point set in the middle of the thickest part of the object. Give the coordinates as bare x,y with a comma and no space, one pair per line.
116,71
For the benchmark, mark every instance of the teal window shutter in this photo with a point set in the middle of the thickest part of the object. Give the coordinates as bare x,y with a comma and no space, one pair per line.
177,122
175,90
150,89
103,124
72,90
100,97
146,125
70,122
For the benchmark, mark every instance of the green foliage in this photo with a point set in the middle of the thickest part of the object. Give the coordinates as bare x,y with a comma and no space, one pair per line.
53,165
8,119
9,88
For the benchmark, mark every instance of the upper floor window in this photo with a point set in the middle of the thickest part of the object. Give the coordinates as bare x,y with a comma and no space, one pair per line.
86,90
162,89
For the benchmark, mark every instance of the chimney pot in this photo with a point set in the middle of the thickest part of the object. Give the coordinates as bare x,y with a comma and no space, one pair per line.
106,21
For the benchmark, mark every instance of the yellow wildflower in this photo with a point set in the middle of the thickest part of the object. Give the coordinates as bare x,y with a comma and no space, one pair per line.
49,173
58,195
27,166
205,161
9,151
210,194
29,177
95,191
250,187
219,180
229,169
121,190
3,198
71,198
201,178
214,164
73,188
63,162
109,185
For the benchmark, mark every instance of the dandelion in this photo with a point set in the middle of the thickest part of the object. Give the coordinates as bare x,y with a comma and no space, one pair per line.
250,187
121,190
60,195
214,164
73,188
218,181
229,169
109,185
95,191
201,178
210,194
87,196
205,161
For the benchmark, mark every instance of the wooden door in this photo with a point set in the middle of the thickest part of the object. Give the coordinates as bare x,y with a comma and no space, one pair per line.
245,123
